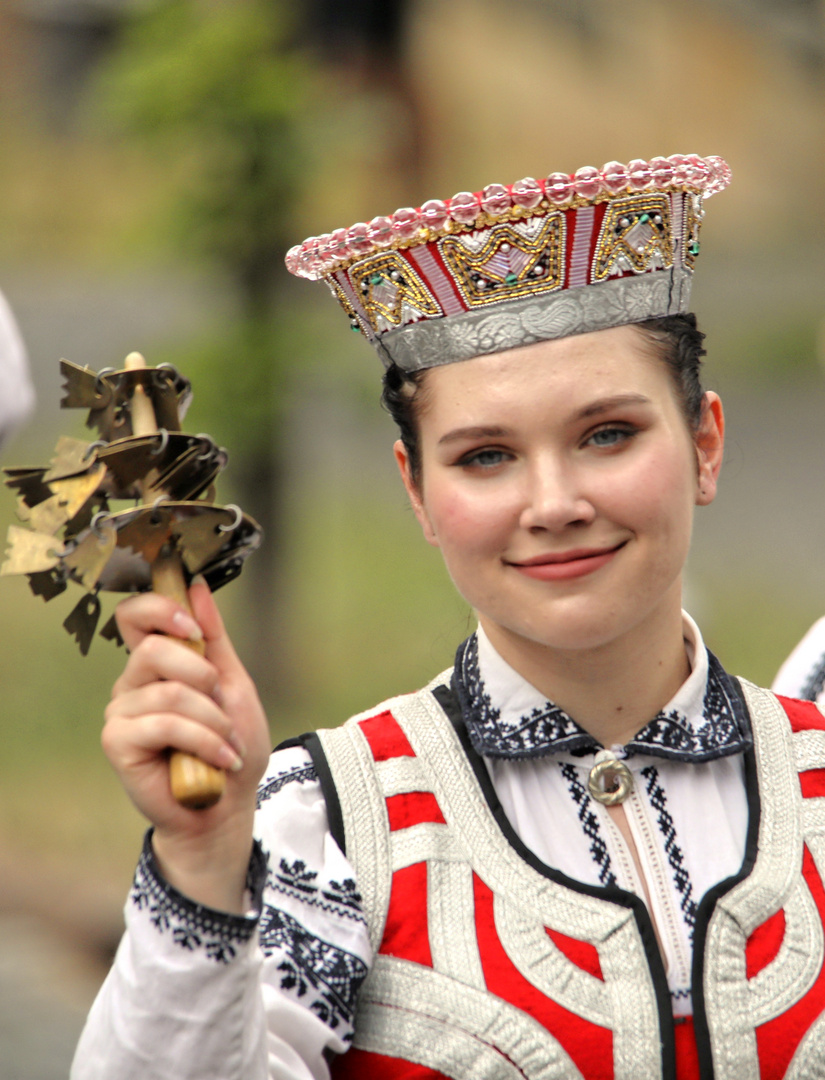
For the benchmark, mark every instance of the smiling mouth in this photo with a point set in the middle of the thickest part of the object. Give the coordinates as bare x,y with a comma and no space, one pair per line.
566,564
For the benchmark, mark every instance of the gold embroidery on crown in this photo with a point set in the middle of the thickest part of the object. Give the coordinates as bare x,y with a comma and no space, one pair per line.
341,297
391,292
507,263
635,236
693,219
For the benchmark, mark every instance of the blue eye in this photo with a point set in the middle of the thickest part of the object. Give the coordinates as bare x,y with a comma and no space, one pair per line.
485,459
610,436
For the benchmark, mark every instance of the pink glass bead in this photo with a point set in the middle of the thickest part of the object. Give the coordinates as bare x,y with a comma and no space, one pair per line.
464,208
379,231
587,181
526,193
434,213
405,223
638,174
559,188
662,172
338,244
681,169
720,174
614,177
324,253
698,170
358,241
495,199
291,260
308,258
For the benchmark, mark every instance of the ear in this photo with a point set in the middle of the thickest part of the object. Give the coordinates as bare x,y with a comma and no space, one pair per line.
710,443
414,492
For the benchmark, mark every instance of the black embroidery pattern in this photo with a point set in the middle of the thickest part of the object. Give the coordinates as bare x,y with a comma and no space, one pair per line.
724,728
589,823
192,926
681,878
296,876
812,687
340,898
312,966
300,774
546,729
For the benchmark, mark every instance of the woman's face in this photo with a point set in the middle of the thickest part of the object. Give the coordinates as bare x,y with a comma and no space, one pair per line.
559,481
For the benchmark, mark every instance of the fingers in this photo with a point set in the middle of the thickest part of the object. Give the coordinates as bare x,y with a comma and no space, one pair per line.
157,657
131,744
150,613
180,700
219,648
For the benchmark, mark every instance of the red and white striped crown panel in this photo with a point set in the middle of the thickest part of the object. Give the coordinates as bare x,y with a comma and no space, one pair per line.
522,259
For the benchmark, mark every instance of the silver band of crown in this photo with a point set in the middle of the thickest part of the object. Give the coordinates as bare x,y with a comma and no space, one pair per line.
433,342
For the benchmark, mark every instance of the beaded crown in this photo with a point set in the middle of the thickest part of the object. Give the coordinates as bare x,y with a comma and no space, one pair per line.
509,266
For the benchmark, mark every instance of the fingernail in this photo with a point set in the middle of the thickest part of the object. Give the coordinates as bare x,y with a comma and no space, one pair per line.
236,742
187,626
230,760
199,579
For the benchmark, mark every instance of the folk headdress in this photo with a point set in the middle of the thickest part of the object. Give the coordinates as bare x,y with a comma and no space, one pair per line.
509,266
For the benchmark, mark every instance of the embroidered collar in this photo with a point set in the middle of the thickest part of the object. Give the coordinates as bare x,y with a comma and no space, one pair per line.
506,717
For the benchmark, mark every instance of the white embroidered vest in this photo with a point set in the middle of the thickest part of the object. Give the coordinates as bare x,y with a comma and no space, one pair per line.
490,965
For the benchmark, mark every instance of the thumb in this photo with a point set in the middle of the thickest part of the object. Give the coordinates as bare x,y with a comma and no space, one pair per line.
219,649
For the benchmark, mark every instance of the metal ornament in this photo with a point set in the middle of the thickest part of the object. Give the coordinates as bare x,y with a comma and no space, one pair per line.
610,781
169,530
76,532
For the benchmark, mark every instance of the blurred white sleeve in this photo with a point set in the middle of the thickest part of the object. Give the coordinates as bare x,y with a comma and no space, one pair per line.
803,673
16,390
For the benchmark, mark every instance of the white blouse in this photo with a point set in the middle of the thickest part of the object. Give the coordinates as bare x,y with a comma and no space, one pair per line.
199,994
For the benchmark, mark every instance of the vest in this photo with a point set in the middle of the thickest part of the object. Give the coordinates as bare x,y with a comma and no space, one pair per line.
490,965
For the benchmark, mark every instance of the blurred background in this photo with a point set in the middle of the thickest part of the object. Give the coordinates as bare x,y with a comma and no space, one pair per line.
157,161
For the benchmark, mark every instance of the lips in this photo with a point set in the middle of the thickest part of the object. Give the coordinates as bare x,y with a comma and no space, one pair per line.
562,566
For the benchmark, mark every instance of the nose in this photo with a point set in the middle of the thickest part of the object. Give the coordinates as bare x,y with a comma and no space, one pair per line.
554,500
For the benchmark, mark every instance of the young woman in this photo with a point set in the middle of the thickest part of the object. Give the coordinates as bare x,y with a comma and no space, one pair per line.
586,850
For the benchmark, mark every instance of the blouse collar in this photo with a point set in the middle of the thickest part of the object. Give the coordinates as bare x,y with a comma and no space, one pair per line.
507,717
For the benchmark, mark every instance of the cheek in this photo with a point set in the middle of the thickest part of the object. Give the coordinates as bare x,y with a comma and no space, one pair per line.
656,497
466,521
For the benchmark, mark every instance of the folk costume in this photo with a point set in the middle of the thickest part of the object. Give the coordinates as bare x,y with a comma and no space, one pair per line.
438,888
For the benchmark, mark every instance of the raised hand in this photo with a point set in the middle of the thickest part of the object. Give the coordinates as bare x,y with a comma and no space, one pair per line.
170,697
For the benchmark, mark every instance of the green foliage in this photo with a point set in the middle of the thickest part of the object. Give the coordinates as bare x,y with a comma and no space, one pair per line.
217,89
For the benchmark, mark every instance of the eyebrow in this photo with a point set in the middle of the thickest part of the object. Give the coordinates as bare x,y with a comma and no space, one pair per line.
476,432
615,402
486,431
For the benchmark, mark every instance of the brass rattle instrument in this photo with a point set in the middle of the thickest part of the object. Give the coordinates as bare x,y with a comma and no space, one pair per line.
171,529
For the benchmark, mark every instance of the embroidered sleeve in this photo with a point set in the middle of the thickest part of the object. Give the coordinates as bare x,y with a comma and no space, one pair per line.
802,675
192,926
197,994
313,934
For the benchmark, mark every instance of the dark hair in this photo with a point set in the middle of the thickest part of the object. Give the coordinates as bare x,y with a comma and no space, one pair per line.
675,339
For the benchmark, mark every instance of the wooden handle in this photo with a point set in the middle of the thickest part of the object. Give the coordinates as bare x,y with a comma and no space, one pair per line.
194,784
143,412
